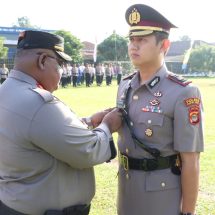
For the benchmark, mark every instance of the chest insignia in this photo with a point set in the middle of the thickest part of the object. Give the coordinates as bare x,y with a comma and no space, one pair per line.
158,94
154,82
154,102
148,132
152,109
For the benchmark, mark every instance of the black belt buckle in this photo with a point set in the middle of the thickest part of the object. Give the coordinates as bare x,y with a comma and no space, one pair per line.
151,164
124,162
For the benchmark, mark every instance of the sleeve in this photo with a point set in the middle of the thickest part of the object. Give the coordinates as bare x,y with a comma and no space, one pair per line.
188,121
58,131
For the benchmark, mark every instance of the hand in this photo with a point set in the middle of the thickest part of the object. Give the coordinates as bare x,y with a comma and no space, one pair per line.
98,117
113,120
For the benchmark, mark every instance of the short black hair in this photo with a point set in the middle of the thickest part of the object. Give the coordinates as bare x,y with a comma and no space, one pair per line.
160,36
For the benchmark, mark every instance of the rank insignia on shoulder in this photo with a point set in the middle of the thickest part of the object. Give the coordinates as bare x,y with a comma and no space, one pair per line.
194,115
178,79
130,76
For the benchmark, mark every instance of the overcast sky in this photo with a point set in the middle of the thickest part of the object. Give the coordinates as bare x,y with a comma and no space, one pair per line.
91,19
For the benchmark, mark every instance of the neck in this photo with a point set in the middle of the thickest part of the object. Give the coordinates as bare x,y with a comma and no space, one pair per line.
147,72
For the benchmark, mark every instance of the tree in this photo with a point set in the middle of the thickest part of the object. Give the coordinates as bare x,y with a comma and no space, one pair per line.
202,58
24,22
185,38
113,48
3,50
72,45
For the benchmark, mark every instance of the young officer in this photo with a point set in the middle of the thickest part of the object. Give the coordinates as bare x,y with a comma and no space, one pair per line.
162,136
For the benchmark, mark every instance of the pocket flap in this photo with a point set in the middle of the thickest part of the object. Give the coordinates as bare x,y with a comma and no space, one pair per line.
162,180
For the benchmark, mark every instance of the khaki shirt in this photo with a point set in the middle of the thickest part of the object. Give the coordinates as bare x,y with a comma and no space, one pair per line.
166,113
46,153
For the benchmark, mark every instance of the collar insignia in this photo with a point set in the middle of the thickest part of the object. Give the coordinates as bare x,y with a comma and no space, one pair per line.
134,17
154,82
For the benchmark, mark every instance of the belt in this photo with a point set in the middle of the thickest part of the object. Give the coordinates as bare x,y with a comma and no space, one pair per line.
72,210
5,210
146,164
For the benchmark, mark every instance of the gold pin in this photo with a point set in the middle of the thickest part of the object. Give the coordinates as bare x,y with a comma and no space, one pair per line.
148,132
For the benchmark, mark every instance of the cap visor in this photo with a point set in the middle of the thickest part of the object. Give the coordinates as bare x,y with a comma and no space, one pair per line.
139,33
64,56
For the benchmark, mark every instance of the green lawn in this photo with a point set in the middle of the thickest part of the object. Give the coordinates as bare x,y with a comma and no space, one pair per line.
85,101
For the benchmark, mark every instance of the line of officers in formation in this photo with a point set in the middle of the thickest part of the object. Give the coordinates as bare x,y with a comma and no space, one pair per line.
78,74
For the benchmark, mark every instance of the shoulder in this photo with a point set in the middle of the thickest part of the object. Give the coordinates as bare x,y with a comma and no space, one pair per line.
44,94
177,79
129,77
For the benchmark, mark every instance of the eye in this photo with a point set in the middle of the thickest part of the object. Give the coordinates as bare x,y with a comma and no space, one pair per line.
131,39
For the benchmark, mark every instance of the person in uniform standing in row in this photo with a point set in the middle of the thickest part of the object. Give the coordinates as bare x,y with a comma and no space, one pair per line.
162,135
47,153
4,71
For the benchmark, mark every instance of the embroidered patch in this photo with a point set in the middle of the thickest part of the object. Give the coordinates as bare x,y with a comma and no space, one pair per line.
192,101
194,115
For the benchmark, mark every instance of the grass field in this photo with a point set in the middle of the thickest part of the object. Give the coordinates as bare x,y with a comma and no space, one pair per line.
85,101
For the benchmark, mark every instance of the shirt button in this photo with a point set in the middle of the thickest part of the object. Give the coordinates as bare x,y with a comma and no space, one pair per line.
149,121
163,184
127,150
135,97
131,123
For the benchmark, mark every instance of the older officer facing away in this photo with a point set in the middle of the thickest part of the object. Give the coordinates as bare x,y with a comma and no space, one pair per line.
161,136
47,153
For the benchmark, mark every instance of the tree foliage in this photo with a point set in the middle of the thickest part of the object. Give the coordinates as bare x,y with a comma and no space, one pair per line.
3,50
113,48
185,38
202,58
24,22
72,45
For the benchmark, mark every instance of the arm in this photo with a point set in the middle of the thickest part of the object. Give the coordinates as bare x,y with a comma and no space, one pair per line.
189,181
60,133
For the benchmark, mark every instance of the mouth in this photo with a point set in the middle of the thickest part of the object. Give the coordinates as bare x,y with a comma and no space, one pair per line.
134,56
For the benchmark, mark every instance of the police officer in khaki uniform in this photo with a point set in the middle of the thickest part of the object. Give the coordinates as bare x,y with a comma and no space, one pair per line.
47,153
161,137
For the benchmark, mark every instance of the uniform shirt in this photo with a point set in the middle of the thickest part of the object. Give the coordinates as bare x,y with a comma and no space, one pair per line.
46,152
165,113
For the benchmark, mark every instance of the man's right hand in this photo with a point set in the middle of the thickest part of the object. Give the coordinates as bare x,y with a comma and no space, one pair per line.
113,120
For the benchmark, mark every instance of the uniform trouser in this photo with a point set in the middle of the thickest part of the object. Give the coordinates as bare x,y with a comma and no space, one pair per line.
119,76
73,210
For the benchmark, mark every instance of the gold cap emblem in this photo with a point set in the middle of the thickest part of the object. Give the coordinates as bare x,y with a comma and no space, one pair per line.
134,17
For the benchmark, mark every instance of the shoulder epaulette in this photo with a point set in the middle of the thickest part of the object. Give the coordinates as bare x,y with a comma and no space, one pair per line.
179,79
46,95
130,76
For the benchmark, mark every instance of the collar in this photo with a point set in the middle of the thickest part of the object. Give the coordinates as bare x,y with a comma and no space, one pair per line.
21,76
153,84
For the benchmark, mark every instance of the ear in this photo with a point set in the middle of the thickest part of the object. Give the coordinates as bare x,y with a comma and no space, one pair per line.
166,44
41,61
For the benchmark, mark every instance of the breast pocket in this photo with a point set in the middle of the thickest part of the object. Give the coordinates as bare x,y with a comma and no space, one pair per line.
162,180
151,119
